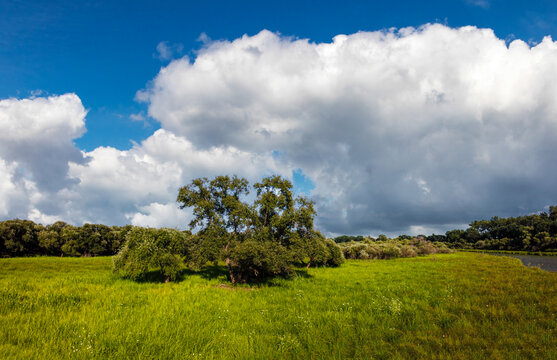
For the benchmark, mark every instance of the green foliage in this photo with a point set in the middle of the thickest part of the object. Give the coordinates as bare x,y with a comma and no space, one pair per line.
536,232
348,238
19,238
50,241
252,259
391,249
317,251
216,203
207,246
382,238
25,238
277,227
335,256
146,249
407,251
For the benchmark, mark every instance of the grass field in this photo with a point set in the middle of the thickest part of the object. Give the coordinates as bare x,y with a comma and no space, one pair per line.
459,306
512,252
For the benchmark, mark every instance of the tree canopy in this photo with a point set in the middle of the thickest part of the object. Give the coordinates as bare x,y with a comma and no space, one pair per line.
265,238
145,249
535,232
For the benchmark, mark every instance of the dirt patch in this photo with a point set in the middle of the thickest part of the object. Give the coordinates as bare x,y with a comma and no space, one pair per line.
233,288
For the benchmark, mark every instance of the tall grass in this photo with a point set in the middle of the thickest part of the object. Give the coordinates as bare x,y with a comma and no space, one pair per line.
460,306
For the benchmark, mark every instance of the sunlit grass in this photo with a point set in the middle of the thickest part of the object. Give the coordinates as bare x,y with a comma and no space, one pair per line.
460,306
512,252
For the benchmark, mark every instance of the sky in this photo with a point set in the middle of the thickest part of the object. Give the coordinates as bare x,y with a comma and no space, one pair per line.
407,117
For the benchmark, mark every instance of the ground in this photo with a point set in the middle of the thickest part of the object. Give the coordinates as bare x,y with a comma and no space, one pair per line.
459,306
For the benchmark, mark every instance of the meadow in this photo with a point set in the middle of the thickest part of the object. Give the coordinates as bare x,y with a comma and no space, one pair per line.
458,306
512,252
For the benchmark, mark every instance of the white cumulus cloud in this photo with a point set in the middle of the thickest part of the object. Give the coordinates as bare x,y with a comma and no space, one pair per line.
468,118
159,215
407,130
35,151
140,185
37,133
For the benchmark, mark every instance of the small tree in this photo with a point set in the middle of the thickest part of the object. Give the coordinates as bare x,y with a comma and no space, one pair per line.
253,259
220,215
263,239
336,257
145,249
19,238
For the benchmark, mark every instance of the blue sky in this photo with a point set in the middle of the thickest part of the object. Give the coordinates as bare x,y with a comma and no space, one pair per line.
105,51
414,131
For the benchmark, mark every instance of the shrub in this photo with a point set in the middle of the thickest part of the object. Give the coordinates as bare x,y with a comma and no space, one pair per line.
443,248
374,251
407,251
390,250
354,250
255,260
309,250
335,257
145,249
425,247
363,255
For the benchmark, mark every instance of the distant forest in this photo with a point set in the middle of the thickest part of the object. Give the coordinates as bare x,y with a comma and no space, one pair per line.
537,232
25,238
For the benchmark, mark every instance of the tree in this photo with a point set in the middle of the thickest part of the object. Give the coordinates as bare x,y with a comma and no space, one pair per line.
50,242
253,259
219,214
262,239
382,237
454,237
19,238
145,249
72,241
310,249
336,257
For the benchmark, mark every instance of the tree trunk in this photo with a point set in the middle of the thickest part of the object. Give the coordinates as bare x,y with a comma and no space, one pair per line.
308,265
230,273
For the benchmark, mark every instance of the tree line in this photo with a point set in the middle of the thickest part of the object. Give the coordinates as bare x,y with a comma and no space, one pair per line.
26,238
535,232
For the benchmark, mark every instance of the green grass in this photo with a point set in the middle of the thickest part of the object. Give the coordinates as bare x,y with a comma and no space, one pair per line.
458,306
512,252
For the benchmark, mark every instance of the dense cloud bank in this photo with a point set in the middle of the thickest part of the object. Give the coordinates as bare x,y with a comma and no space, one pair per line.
402,131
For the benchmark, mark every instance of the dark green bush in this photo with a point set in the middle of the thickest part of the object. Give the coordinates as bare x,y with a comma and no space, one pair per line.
147,249
335,256
19,238
255,260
